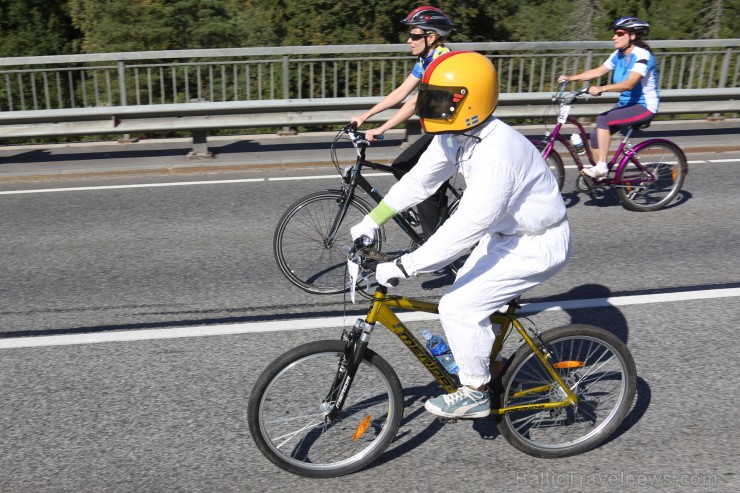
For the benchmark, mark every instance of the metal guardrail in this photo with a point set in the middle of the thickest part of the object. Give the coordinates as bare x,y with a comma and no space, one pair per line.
118,93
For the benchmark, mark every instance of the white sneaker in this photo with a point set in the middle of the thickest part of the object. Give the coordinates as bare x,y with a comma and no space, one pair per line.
595,172
465,403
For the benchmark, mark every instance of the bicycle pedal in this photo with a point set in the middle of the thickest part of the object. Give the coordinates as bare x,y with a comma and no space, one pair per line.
585,183
446,420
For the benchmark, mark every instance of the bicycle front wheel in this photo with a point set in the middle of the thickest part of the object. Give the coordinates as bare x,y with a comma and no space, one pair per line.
312,240
657,182
555,163
288,407
596,366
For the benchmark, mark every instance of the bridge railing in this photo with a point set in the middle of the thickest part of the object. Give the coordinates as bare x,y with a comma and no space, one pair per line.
162,86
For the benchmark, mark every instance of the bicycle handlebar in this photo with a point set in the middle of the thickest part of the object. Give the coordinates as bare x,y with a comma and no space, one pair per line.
367,257
355,134
567,98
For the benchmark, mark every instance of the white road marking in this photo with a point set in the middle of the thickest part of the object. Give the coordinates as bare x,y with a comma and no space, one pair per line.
248,180
137,185
320,177
316,323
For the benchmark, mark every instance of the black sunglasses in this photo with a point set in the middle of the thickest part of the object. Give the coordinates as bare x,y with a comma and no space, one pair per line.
417,37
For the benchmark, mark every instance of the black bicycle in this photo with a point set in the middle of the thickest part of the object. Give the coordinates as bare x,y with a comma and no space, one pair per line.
312,237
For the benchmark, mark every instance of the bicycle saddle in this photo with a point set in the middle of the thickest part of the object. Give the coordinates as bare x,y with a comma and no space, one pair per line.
641,126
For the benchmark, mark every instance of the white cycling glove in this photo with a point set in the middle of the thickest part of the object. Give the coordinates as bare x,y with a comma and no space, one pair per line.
366,227
391,270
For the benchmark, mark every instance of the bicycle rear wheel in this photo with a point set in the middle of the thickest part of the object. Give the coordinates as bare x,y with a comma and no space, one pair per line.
657,183
599,370
555,163
288,405
305,253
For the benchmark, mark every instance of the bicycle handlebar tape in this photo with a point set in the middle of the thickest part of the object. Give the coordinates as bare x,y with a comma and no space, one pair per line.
382,213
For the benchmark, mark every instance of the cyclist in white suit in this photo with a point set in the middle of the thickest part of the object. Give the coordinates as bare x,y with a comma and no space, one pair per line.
511,211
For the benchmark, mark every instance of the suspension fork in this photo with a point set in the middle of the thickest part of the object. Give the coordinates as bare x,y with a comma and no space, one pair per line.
354,351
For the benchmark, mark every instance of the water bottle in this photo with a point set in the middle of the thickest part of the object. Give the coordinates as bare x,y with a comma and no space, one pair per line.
441,351
577,142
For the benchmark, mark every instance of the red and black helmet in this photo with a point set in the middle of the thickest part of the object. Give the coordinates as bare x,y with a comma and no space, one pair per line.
429,19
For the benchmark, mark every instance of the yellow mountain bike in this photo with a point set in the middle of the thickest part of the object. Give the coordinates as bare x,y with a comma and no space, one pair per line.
331,407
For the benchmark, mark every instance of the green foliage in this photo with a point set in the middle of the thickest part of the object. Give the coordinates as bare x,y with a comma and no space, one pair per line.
146,25
35,28
40,27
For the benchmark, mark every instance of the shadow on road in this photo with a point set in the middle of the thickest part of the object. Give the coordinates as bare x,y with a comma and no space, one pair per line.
414,396
642,402
160,150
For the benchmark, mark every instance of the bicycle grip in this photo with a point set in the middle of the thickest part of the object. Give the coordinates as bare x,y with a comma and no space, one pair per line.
393,281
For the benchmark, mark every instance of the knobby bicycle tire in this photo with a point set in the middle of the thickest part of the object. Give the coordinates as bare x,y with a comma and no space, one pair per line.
287,409
555,163
302,250
667,164
596,366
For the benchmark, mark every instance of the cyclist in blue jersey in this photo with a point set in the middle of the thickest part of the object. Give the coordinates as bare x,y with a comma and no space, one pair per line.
428,28
635,77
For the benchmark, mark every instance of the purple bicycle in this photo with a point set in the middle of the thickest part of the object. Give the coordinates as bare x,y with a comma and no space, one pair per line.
646,176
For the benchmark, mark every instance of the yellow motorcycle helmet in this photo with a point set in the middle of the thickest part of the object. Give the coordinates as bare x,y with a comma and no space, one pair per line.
458,92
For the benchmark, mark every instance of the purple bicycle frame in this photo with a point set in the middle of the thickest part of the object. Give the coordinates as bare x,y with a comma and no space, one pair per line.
623,154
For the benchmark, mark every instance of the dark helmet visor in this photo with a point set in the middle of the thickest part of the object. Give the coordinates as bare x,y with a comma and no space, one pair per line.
439,102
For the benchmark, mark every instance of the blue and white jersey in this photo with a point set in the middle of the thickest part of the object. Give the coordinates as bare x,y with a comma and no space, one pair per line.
423,63
641,61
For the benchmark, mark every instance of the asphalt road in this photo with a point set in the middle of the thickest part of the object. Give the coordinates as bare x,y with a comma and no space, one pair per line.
88,258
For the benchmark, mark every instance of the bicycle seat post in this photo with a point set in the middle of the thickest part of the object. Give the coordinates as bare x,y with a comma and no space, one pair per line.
628,133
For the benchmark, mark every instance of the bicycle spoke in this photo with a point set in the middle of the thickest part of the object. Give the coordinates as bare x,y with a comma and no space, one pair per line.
652,177
302,247
289,412
595,372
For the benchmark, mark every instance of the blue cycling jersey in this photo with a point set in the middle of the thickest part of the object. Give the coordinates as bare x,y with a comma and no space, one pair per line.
641,61
423,63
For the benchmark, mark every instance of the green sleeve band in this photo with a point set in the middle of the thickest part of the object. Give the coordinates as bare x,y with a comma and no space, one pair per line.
382,213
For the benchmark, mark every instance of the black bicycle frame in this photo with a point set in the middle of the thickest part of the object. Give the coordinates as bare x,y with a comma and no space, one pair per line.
357,180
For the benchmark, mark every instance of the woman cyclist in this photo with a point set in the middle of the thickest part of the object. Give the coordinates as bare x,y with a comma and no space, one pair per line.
428,27
635,77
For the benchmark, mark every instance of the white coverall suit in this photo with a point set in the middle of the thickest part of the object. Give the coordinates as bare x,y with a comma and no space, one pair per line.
512,209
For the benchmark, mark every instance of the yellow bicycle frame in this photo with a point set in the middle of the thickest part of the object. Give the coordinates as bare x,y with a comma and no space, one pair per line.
380,311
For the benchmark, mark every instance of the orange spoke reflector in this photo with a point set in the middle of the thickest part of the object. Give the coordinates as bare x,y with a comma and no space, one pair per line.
362,428
562,365
674,174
